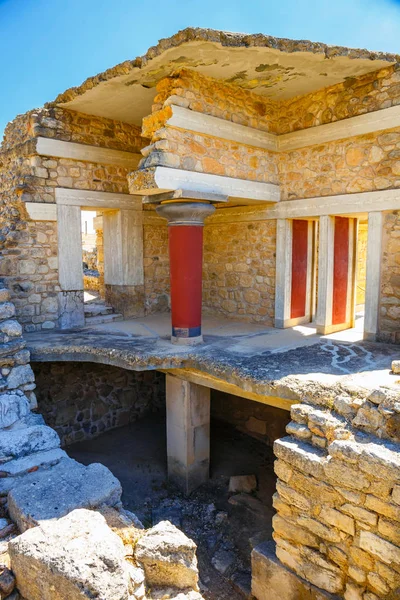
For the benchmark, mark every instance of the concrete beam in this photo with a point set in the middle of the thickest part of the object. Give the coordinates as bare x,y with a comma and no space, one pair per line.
40,211
166,179
380,120
373,279
94,199
188,433
83,152
215,383
312,208
190,120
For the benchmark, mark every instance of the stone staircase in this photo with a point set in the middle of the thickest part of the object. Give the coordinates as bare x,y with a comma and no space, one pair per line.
97,312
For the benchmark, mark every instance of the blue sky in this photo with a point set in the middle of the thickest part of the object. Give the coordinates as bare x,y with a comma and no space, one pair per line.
47,46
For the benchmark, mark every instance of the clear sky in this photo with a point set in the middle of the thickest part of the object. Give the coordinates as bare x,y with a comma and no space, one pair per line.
47,46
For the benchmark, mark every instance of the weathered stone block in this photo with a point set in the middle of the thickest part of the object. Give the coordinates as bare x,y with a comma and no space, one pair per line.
75,557
168,557
382,549
243,483
12,408
271,580
19,376
54,493
20,442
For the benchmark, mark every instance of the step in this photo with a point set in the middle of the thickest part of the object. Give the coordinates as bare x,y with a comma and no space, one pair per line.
98,319
98,309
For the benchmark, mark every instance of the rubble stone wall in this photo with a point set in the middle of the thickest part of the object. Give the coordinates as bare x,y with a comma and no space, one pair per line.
82,400
29,248
261,421
355,96
156,267
239,270
389,328
216,98
360,164
338,494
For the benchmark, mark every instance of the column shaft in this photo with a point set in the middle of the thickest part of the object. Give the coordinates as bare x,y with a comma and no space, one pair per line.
188,433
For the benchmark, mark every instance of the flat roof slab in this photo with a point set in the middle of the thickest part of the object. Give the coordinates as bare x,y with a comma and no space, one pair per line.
289,364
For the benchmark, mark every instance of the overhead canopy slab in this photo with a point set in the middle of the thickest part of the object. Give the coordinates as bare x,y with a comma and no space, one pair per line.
272,67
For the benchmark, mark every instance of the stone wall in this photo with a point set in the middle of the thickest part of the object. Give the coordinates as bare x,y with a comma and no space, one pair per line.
216,98
361,267
261,421
29,248
355,96
239,270
82,400
389,326
338,494
156,266
361,164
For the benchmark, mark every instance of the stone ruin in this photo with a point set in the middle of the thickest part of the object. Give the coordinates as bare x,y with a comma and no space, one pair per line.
285,166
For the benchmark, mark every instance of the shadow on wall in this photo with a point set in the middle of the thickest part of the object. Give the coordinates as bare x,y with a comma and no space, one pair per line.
263,422
82,400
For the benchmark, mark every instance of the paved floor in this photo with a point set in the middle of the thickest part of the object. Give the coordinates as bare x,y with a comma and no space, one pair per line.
260,359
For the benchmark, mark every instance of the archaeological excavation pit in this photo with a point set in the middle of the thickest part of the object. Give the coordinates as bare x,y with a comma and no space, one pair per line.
118,417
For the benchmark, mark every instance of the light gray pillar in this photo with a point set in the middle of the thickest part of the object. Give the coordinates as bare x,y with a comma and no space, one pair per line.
373,279
188,433
283,272
123,261
325,274
70,271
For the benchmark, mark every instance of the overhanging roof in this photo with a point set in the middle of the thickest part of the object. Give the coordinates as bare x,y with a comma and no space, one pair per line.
269,66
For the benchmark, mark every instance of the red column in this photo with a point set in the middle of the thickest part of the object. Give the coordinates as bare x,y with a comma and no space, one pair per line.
185,225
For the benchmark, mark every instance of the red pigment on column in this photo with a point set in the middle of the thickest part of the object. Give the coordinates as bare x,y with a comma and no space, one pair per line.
299,268
340,270
186,258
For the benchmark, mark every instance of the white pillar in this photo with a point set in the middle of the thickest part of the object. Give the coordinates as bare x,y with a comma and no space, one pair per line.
188,433
283,280
325,274
373,279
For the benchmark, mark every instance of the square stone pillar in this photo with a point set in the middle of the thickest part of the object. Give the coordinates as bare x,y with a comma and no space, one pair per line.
70,271
373,279
188,433
123,261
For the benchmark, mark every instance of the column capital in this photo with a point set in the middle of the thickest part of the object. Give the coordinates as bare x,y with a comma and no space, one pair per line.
185,213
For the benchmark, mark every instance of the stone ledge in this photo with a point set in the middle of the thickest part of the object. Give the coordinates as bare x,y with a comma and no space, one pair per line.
273,581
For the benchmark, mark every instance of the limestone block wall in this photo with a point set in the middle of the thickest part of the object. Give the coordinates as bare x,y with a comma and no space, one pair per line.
338,494
389,329
239,270
261,421
156,266
361,164
82,400
29,248
355,96
218,99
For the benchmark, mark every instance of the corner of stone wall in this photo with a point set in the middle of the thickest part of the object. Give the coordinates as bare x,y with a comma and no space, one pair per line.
338,494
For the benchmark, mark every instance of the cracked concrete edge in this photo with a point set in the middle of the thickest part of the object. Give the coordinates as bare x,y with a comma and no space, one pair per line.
226,39
289,387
